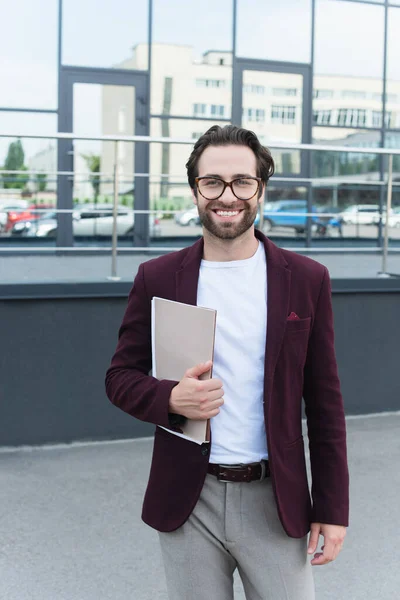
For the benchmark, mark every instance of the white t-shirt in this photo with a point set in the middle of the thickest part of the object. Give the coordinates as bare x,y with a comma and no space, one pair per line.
238,291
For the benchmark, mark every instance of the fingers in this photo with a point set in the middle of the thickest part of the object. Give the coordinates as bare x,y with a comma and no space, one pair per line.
330,551
211,410
323,558
197,370
314,537
211,385
215,395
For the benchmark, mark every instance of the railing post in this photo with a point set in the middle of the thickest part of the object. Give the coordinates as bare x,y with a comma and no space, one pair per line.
114,276
384,272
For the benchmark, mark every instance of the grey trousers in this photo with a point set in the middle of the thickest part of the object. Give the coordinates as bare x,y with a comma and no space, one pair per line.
235,526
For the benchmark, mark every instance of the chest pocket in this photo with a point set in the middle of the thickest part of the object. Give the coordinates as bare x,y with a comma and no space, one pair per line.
295,341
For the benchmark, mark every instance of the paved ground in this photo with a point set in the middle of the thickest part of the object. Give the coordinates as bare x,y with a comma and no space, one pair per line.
71,530
19,269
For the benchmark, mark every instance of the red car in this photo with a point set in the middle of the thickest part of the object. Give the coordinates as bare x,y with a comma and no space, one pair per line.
24,215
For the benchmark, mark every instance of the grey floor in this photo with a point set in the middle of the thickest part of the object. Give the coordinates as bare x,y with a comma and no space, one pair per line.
21,269
71,530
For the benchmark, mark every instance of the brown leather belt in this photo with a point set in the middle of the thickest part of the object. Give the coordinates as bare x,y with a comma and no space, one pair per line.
252,472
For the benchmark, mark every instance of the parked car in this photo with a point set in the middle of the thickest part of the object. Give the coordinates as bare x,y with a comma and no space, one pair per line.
14,216
87,220
394,219
363,214
189,217
10,206
284,218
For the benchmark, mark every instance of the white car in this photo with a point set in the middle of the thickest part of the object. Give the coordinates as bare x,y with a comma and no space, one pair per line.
89,220
363,214
394,219
188,217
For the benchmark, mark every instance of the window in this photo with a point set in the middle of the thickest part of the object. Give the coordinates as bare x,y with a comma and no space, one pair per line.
217,110
254,89
376,96
284,91
376,118
322,117
391,98
199,109
390,119
283,114
354,94
323,93
254,114
352,117
211,83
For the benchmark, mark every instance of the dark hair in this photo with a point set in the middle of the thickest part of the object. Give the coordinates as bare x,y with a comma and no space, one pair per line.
227,135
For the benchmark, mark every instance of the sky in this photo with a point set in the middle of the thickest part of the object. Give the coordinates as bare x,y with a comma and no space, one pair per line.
349,40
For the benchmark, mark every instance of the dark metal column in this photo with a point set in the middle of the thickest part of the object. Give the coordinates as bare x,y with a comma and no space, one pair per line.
64,162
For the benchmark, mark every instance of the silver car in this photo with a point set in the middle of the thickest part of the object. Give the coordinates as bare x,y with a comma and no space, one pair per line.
88,220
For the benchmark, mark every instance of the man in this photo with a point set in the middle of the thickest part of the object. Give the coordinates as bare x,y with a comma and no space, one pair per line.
242,500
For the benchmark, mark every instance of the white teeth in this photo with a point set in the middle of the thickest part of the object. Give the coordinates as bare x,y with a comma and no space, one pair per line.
227,213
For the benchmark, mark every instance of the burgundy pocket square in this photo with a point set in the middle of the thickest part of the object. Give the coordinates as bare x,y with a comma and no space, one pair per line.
293,317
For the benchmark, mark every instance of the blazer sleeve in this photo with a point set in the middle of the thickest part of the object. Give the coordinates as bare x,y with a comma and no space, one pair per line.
128,383
325,418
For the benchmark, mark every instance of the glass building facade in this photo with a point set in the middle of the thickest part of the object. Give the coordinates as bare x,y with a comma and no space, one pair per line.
321,71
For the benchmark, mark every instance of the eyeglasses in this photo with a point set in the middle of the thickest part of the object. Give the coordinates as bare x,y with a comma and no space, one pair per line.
243,188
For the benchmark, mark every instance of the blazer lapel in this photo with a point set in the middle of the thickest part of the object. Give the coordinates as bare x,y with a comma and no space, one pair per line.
278,293
187,277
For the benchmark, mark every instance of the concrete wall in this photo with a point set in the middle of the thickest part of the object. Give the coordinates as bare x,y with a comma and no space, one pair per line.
57,341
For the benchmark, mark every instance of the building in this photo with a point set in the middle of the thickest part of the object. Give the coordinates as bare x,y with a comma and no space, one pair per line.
294,71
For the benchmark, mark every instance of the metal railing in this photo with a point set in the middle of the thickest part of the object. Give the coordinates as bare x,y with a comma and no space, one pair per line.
115,179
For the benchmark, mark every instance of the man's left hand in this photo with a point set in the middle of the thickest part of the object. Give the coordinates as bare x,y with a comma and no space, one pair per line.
333,541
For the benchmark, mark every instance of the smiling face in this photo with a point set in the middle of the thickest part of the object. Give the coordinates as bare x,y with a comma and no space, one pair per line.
227,217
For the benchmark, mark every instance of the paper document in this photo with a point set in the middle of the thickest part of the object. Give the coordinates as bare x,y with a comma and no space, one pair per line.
182,337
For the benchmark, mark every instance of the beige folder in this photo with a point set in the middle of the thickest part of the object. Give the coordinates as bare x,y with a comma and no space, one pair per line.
182,337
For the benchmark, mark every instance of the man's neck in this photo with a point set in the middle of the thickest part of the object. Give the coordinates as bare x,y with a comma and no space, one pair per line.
218,250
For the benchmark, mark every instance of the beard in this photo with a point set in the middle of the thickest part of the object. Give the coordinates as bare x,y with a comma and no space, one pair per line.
228,230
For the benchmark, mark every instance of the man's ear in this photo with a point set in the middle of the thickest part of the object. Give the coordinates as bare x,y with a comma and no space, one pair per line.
261,192
194,196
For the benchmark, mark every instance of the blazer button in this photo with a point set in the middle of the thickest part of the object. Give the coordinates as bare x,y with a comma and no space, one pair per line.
204,450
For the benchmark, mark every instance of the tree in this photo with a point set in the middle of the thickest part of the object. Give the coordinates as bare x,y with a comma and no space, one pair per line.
41,181
15,162
93,164
15,156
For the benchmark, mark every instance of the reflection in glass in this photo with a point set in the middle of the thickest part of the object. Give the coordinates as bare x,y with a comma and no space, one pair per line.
102,110
113,34
264,29
348,83
345,181
342,166
28,50
35,184
393,72
272,108
285,214
192,65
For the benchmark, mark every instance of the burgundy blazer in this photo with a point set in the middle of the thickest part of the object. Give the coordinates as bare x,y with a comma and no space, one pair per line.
299,363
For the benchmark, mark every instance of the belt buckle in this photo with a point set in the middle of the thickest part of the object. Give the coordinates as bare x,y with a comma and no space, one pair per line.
233,467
